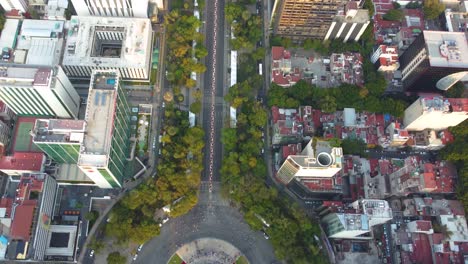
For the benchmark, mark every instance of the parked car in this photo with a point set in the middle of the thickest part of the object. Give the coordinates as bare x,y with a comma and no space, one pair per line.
135,257
140,247
265,235
91,254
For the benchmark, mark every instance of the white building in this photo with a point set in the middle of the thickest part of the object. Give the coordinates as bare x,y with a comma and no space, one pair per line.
108,43
456,225
113,8
435,113
368,213
9,34
34,91
377,211
321,162
40,42
55,9
340,225
20,5
106,145
385,58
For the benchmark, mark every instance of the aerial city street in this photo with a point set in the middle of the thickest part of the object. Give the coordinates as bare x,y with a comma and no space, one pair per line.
233,131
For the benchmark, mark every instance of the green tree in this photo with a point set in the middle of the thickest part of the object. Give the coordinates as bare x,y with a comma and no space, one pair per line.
116,258
456,91
394,15
96,245
433,8
354,146
92,216
196,107
369,5
328,104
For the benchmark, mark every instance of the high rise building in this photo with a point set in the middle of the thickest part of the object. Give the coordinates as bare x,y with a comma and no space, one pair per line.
436,59
357,223
95,43
33,91
316,166
60,139
436,113
106,144
9,5
331,19
112,8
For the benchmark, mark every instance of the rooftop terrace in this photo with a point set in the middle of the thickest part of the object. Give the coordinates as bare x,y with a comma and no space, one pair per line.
99,118
59,130
25,76
121,42
447,49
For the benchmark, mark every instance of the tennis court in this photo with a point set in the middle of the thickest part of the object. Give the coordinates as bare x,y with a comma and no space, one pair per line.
23,138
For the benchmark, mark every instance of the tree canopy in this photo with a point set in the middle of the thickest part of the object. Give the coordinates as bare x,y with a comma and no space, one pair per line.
433,8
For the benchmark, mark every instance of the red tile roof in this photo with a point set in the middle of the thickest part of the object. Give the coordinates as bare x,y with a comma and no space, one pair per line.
429,180
422,225
6,203
22,161
459,104
22,221
421,249
277,52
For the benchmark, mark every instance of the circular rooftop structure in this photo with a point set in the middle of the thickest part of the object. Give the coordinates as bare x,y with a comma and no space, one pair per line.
324,159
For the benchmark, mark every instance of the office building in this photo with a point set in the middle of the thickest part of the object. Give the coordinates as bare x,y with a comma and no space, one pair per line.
357,222
418,177
436,59
315,167
385,58
349,24
9,5
60,139
106,145
111,8
300,20
436,113
378,211
55,9
108,43
38,91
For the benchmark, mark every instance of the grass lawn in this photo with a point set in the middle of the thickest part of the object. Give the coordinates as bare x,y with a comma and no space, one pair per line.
176,260
242,260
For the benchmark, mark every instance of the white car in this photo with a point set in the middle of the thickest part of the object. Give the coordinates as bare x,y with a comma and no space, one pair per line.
140,247
165,220
135,257
91,254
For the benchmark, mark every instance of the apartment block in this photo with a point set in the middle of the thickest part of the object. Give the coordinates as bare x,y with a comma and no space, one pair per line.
112,8
9,5
314,168
106,144
436,59
108,43
60,139
38,91
299,19
435,113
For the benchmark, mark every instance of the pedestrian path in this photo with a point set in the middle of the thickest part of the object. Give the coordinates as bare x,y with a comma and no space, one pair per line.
209,251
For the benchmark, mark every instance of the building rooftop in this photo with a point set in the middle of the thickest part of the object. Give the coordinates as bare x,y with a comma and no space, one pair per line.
129,47
61,240
9,34
447,49
26,76
43,40
99,118
376,208
22,221
59,130
22,161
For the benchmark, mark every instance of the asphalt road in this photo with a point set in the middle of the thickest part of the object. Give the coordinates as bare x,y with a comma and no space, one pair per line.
212,217
214,75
